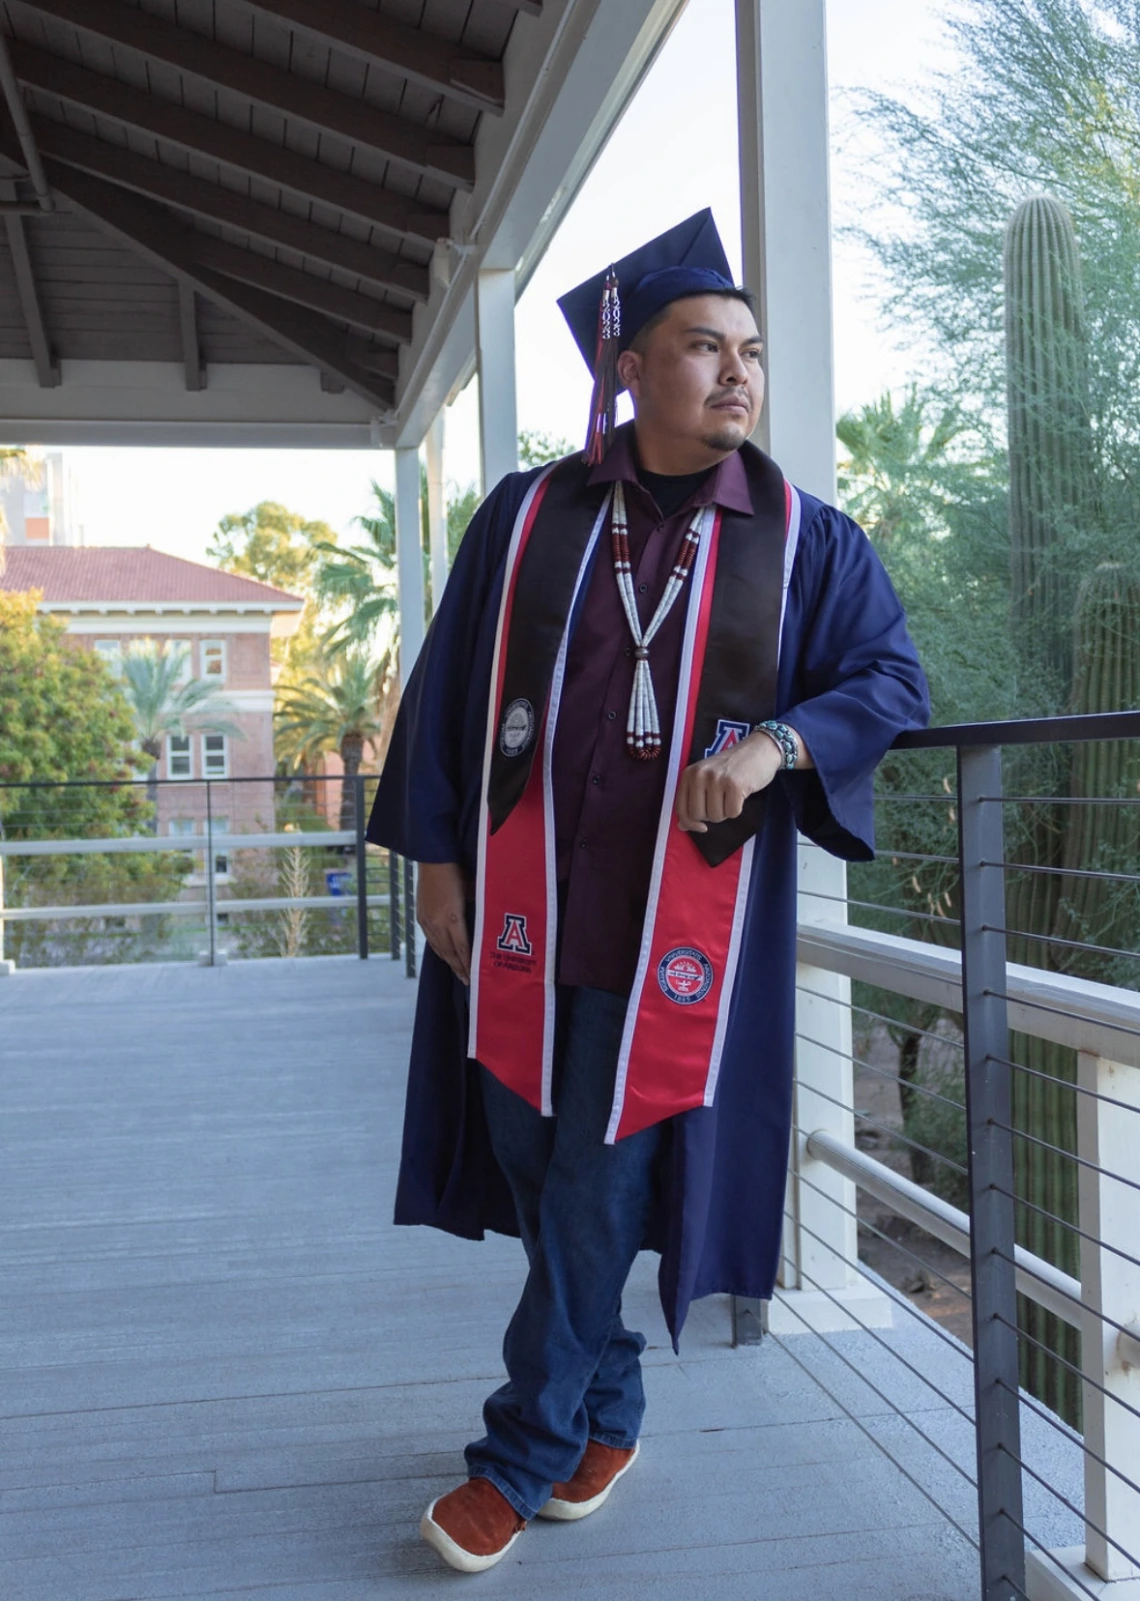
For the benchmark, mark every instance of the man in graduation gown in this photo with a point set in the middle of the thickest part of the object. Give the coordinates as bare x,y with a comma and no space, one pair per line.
650,666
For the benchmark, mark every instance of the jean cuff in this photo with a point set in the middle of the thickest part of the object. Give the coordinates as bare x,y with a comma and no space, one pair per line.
616,1442
508,1494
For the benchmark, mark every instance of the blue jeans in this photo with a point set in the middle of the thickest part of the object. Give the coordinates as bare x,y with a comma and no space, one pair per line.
583,1208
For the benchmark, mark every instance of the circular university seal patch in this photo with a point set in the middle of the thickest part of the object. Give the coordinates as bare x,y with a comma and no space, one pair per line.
685,975
517,728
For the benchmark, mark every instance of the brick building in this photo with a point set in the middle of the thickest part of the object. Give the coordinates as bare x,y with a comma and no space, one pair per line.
108,596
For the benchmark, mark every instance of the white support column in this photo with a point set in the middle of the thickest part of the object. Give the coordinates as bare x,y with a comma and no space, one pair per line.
409,559
1108,1137
786,227
495,355
437,512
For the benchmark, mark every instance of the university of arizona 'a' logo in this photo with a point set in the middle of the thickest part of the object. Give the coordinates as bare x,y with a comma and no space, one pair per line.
514,936
727,735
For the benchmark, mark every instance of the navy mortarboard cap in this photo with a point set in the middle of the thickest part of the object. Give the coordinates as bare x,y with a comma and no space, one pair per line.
607,312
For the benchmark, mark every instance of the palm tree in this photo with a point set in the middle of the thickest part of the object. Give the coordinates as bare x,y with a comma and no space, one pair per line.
361,577
162,705
338,707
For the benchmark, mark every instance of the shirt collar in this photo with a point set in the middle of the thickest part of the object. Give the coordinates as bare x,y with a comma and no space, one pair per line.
726,485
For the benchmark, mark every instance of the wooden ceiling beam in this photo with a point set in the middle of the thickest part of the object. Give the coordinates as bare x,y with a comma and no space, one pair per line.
242,152
381,41
294,97
47,368
330,299
188,329
150,231
157,181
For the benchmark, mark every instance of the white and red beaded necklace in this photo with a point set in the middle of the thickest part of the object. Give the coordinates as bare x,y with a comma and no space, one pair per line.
643,725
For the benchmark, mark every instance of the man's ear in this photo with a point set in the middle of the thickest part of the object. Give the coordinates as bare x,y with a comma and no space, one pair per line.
629,370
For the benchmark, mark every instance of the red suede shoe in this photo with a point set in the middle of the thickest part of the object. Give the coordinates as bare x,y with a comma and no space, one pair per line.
472,1527
599,1470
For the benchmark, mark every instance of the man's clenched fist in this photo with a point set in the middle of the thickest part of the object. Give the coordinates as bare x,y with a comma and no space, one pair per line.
715,789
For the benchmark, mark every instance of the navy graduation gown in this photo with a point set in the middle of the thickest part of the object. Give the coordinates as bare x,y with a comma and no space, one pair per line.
849,681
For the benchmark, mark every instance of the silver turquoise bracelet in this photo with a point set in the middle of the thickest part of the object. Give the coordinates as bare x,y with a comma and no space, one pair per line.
785,739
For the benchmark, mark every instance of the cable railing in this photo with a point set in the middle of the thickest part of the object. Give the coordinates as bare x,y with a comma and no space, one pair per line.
95,872
927,952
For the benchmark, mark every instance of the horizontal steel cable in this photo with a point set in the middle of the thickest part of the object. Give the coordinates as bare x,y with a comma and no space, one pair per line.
1078,1089
864,1223
863,1429
858,1061
1129,1556
1073,1228
1048,1417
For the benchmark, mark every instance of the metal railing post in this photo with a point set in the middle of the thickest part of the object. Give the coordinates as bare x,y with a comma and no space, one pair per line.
393,906
361,869
409,917
992,1270
211,888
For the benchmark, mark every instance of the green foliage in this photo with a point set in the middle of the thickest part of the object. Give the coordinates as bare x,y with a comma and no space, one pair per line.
270,543
64,717
161,704
1044,97
536,448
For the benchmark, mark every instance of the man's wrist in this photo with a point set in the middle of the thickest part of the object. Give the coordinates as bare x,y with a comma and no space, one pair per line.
785,739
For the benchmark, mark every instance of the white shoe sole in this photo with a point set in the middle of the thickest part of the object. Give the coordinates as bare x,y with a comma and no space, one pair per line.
454,1555
559,1511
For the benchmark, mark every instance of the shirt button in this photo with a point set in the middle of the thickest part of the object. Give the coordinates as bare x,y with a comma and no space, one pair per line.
610,716
594,779
581,844
628,651
641,588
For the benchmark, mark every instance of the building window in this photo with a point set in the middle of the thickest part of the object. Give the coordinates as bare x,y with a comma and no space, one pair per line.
215,756
111,650
178,756
214,659
181,826
179,649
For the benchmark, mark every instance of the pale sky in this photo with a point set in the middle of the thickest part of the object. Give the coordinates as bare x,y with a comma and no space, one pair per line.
174,498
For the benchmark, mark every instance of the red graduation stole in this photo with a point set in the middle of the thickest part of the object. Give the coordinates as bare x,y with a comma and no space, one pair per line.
679,1007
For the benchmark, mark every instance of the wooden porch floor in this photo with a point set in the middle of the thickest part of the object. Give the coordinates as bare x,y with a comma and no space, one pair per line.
223,1373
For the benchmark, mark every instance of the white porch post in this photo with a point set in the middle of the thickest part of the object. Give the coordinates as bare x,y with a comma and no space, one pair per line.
495,356
1110,1284
437,515
786,224
409,559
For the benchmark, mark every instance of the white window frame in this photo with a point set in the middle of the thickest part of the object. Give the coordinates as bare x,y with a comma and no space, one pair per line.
207,770
188,775
217,648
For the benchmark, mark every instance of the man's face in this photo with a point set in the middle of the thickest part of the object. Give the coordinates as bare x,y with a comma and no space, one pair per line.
698,379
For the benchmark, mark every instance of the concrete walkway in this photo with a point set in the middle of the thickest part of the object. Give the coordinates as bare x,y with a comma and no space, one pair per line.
223,1373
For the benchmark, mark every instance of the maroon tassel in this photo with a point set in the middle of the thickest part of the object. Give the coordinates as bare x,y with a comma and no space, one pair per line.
603,404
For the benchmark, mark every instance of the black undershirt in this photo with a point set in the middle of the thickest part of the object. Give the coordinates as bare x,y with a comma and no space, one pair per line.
671,490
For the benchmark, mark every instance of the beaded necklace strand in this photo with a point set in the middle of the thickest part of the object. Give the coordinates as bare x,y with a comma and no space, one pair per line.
643,725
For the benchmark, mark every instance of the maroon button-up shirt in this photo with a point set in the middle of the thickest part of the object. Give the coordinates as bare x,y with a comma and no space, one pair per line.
607,804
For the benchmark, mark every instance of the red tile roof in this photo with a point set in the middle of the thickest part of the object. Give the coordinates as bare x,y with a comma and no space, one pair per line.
134,575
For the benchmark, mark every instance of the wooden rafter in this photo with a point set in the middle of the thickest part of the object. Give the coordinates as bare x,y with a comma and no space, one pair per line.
150,231
330,299
256,81
210,200
381,41
47,368
242,152
188,328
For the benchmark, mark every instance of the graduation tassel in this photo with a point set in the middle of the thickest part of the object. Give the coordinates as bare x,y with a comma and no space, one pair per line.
603,404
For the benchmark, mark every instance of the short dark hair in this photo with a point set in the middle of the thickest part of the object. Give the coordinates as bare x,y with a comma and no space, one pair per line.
733,292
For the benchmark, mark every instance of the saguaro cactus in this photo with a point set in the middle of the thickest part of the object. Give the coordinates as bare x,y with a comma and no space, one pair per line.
1052,503
1103,839
1052,512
